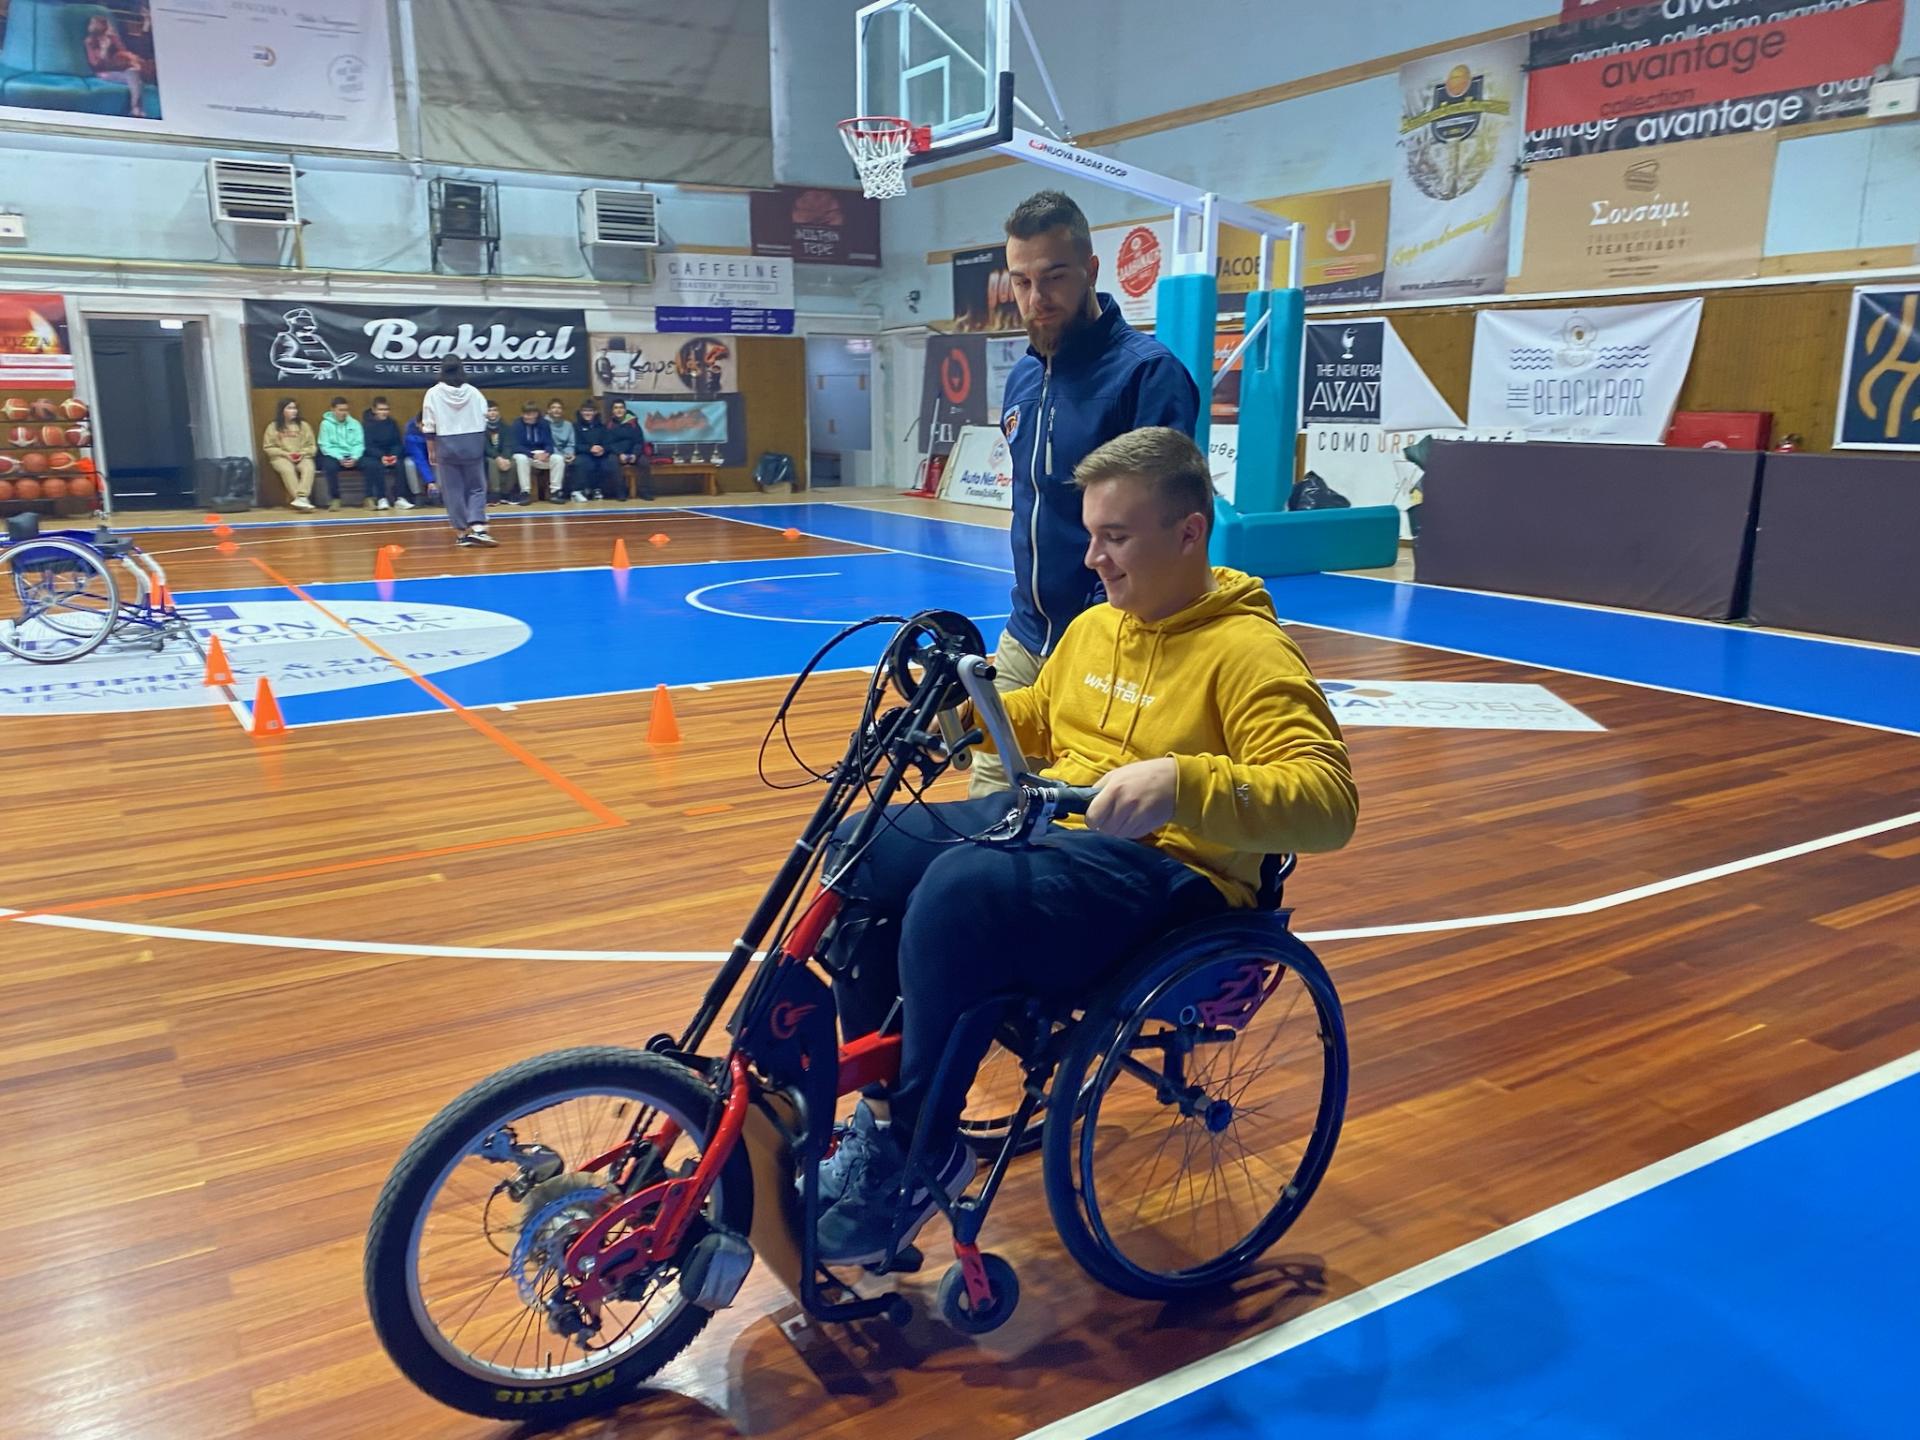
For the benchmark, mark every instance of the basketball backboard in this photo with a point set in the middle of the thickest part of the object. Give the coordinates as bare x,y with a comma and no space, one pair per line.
942,64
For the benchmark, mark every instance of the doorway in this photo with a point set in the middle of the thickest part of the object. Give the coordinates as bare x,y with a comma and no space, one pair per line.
840,408
149,407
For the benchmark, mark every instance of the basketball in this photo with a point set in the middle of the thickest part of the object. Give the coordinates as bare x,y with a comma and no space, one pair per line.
34,464
73,409
81,486
21,436
79,435
61,460
44,409
53,434
14,410
8,464
53,489
27,490
6,490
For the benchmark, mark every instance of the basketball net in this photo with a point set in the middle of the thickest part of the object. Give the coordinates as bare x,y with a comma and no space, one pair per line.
879,146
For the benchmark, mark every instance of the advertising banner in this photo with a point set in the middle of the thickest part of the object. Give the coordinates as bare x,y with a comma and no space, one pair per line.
1685,213
1452,196
1694,69
1002,356
953,390
1132,260
305,343
1607,375
46,433
980,470
817,226
319,74
702,367
982,293
1346,248
34,348
1880,389
734,294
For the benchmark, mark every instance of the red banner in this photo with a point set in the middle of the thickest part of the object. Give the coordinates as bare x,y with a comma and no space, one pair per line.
34,353
1722,65
1572,10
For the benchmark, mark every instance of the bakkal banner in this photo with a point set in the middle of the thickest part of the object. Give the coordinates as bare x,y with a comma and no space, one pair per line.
1452,205
1880,389
306,343
1132,260
1607,375
701,367
953,390
983,292
816,226
1694,69
314,75
733,294
1346,257
1673,215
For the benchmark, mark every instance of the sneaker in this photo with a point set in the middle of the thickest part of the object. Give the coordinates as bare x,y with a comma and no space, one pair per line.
598,496
579,498
300,503
467,540
403,503
382,504
859,1226
480,536
858,1144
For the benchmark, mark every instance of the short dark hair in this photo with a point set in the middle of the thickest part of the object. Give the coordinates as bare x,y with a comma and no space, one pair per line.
1050,210
453,372
531,405
381,400
1166,459
337,400
556,400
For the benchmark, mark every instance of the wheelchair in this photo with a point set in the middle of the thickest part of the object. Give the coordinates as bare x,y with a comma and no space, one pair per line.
566,1227
60,599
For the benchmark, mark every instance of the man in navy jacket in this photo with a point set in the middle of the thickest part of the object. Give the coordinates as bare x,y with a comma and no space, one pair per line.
1087,376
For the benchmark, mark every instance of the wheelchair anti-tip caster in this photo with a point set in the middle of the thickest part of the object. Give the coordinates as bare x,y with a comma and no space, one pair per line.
956,1303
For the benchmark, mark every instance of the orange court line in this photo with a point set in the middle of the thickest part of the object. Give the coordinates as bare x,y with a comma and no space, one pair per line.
519,752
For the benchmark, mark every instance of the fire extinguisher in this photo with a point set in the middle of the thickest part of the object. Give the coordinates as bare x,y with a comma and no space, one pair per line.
1788,445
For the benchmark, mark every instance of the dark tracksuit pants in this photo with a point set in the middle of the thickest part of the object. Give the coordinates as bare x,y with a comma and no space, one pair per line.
950,924
599,472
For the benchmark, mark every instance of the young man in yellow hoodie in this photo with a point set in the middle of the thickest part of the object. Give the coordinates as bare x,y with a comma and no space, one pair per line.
1184,701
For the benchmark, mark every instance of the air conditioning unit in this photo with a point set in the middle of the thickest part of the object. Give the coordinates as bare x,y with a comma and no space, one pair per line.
620,217
252,192
466,211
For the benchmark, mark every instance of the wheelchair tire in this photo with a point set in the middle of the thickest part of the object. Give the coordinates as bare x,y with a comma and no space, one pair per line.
395,1251
1120,1024
31,566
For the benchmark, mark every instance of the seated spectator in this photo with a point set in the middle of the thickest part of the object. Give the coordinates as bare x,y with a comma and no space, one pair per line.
631,445
420,463
109,59
288,445
531,444
342,443
386,475
596,467
563,441
501,482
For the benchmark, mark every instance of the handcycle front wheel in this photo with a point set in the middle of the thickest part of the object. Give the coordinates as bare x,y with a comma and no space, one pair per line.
59,601
461,1273
1212,1087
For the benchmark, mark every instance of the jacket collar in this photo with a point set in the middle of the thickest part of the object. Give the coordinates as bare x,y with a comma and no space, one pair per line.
1096,339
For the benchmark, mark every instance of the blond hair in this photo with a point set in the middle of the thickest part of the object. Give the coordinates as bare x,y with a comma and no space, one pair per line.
1166,460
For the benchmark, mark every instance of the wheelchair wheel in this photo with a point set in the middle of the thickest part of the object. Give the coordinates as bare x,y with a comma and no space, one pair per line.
1212,1087
462,1253
59,603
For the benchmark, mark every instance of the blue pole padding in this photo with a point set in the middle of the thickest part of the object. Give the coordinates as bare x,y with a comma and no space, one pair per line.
1187,316
1270,402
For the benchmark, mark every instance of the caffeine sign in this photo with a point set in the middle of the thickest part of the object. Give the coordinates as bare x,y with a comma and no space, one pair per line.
300,343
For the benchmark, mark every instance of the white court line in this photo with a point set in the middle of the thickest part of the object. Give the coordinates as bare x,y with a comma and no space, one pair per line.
1365,932
1475,1253
917,554
905,512
693,598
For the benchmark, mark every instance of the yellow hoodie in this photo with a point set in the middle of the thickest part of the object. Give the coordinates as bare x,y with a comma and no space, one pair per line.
1220,688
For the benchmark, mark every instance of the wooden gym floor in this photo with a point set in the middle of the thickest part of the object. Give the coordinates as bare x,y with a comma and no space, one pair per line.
239,974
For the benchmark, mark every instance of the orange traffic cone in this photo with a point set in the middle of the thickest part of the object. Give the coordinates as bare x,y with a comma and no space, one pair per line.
383,561
219,672
663,729
212,519
267,719
620,561
227,547
221,532
789,534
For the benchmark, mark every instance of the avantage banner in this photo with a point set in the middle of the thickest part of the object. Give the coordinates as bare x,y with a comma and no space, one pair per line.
1609,374
1880,389
816,225
1646,217
1693,69
302,343
1453,181
1574,10
1346,248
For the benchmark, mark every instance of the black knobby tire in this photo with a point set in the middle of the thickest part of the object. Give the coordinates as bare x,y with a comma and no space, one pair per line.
1087,1071
516,1091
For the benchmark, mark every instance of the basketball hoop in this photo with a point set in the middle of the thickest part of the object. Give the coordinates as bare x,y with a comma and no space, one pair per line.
879,145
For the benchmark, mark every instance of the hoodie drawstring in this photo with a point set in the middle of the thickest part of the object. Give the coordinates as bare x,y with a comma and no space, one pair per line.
1140,700
1113,669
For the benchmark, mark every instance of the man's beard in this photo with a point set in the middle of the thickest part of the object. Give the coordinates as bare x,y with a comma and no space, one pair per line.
1047,339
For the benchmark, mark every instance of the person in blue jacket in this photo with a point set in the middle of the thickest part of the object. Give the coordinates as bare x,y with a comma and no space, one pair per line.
420,463
1087,377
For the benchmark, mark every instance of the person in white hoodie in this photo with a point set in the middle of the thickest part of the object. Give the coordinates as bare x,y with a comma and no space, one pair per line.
454,417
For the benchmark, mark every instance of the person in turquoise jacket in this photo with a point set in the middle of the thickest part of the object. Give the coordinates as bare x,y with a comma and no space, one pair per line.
342,444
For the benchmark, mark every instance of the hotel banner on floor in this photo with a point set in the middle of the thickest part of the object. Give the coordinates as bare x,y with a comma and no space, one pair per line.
1452,204
1605,375
1693,69
314,75
1880,390
1646,217
1346,257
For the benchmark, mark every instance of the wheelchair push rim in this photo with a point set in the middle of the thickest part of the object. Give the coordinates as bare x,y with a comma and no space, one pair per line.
60,601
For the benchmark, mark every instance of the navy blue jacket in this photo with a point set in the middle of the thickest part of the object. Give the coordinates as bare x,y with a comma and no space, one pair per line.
525,438
1106,380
